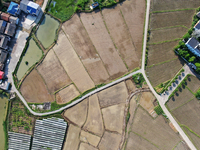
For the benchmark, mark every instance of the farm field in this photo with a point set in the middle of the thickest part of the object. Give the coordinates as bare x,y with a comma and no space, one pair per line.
32,55
3,112
135,22
98,33
120,35
34,89
51,69
47,31
153,132
163,72
167,34
161,5
167,19
85,49
193,83
72,64
168,23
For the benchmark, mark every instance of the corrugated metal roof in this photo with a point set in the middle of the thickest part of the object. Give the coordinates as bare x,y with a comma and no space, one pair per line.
13,8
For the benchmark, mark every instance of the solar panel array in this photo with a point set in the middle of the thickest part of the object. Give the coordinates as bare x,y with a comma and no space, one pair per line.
49,134
18,141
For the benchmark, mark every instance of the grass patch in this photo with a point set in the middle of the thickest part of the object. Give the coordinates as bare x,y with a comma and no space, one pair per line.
158,109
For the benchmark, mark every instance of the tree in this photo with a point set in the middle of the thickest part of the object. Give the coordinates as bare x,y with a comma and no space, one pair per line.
197,94
26,62
192,59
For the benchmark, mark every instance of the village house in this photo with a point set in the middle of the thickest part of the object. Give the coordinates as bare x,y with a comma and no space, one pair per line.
30,7
2,26
4,41
197,25
194,46
10,29
13,9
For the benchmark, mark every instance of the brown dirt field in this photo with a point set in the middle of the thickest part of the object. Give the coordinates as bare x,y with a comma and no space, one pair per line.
161,52
121,36
178,100
89,138
139,143
167,34
134,14
34,89
130,85
160,5
113,117
67,94
188,115
72,138
78,113
85,49
163,72
94,122
114,95
85,146
56,79
161,20
109,141
194,139
98,33
182,146
72,63
193,83
146,101
156,130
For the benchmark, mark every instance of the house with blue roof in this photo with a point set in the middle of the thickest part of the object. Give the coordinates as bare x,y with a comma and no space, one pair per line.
13,9
194,46
30,7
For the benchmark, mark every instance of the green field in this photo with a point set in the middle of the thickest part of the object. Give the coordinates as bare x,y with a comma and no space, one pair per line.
3,111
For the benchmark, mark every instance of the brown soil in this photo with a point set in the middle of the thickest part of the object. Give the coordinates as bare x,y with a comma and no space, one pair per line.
98,33
85,146
72,64
85,49
34,89
121,37
53,73
146,100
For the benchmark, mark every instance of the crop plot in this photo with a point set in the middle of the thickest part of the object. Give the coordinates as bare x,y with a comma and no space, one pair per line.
161,52
180,98
85,49
56,79
167,34
121,37
160,5
193,83
134,13
67,94
72,63
34,89
163,72
188,115
98,33
167,19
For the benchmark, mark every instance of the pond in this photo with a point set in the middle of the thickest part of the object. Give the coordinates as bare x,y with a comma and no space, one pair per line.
3,111
47,31
32,55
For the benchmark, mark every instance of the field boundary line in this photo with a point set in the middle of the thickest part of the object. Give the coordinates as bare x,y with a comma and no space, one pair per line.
190,90
94,46
114,42
165,41
182,125
173,10
169,27
182,104
161,63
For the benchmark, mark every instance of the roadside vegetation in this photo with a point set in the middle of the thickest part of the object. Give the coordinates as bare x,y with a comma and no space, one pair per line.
138,79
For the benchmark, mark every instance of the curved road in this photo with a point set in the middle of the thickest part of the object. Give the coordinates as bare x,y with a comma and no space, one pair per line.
161,99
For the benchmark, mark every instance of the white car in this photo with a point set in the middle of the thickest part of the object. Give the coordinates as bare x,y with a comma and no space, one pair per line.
8,60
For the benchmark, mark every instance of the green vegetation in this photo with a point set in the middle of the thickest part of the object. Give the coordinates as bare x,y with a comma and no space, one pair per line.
158,110
127,117
182,50
197,94
64,9
138,79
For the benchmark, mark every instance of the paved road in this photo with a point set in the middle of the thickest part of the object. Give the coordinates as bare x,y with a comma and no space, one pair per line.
44,5
161,99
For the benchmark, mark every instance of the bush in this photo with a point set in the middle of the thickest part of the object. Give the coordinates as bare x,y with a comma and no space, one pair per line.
197,94
138,79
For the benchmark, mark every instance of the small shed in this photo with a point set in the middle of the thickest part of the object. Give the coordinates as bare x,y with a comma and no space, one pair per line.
5,17
13,8
10,29
1,75
13,20
2,26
